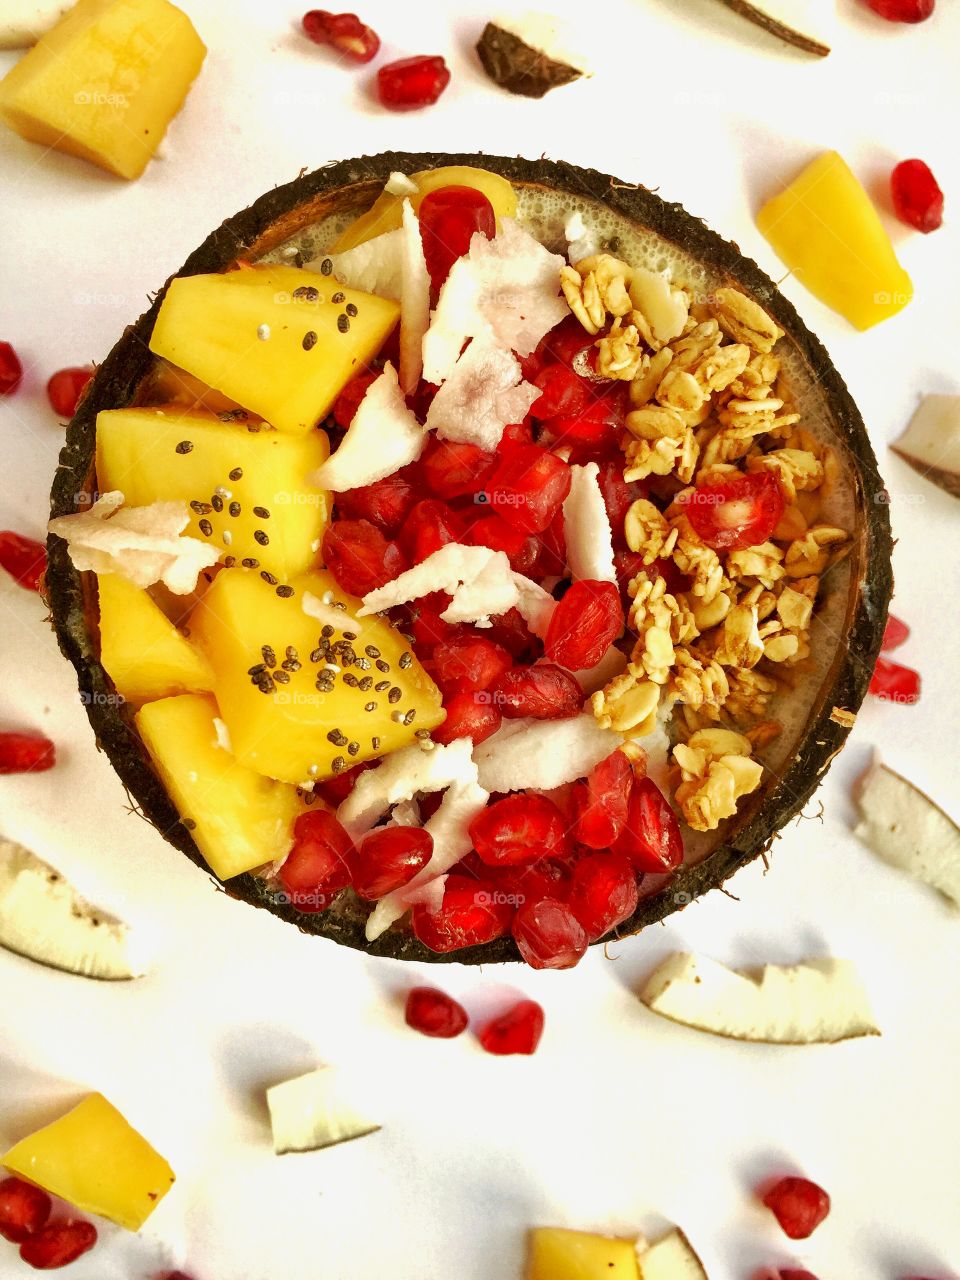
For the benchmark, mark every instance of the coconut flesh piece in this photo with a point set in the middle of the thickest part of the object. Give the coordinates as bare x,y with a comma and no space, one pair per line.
903,826
141,544
530,54
586,526
400,777
324,610
671,1258
383,437
398,184
314,1111
818,1002
805,24
582,241
375,266
43,918
414,300
539,755
484,393
931,442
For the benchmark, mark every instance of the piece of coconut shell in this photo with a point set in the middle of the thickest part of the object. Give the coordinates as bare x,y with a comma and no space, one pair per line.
350,186
783,30
519,67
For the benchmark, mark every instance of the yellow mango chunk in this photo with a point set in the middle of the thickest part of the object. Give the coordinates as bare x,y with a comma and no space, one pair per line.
296,731
557,1254
96,1161
105,82
310,348
144,453
143,652
826,229
240,818
386,211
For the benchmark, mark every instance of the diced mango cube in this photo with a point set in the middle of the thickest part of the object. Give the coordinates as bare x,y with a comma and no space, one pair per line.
558,1254
105,82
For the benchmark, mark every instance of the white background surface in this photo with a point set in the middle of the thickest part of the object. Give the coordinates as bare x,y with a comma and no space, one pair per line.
621,1121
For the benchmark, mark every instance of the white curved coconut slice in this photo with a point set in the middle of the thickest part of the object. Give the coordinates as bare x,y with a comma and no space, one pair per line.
313,1111
931,442
326,612
414,300
447,569
484,393
582,241
398,184
539,755
43,918
535,604
671,1258
401,776
23,22
586,527
375,266
903,826
142,544
383,437
493,591
612,664
818,1002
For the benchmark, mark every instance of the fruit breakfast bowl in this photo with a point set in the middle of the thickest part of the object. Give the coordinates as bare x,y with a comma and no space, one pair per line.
586,625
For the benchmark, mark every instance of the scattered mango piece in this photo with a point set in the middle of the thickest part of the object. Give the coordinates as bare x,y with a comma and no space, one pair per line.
559,1254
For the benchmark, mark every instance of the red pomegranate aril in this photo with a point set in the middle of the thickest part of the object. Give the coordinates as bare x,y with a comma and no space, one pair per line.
584,625
24,559
517,1031
548,878
792,1273
603,892
452,469
58,1245
389,858
561,392
917,197
471,914
895,633
549,935
412,82
519,829
385,503
469,715
24,1209
618,497
449,219
427,626
651,838
588,434
336,788
26,753
318,866
528,487
429,526
895,683
360,557
510,630
348,401
65,389
798,1205
601,802
493,531
469,663
434,1013
542,692
903,10
344,32
741,512
515,435
552,555
11,370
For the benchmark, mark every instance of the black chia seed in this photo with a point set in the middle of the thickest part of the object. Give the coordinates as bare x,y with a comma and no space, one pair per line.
261,513
250,563
268,577
261,537
284,592
234,508
309,340
394,695
236,473
343,323
184,446
206,528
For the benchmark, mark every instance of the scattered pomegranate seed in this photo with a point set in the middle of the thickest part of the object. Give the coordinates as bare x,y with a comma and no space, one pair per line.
564,343
516,1031
903,10
618,497
389,858
336,788
344,32
452,469
798,1205
510,630
601,802
543,692
26,753
385,503
24,1209
360,557
917,197
793,1274
603,892
471,913
469,663
514,435
348,401
318,865
588,433
11,370
23,559
434,1013
58,1245
549,935
449,219
735,513
493,531
469,715
426,625
528,487
552,559
429,526
584,624
65,389
412,82
561,392
895,683
651,839
518,829
895,633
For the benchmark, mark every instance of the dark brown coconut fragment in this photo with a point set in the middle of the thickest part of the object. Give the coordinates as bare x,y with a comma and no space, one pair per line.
351,186
778,21
520,67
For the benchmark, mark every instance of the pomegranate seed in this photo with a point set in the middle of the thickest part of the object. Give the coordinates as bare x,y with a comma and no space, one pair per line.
65,389
434,1013
588,433
429,526
26,753
427,626
469,715
798,1205
11,370
389,858
493,531
543,692
601,802
449,219
175,1275
516,1031
552,558
549,935
917,197
453,470
514,435
344,31
360,557
895,683
58,1245
561,392
335,789
895,633
603,892
618,497
547,878
584,625
318,865
793,1274
471,913
412,82
736,513
468,663
348,401
24,1209
528,487
518,829
903,10
385,503
510,630
24,559
651,839
564,343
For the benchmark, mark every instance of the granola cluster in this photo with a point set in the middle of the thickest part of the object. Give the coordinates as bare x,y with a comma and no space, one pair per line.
707,401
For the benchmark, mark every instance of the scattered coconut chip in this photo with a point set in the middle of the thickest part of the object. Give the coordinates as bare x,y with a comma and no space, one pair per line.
325,611
931,442
542,754
664,306
447,569
23,22
903,826
671,1258
582,241
484,393
414,300
401,776
818,1002
383,437
375,266
586,526
314,1111
142,544
529,54
490,593
805,24
43,918
535,604
398,184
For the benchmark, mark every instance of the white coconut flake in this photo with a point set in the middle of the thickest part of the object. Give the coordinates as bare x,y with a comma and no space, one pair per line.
447,569
383,437
141,544
398,184
484,393
586,527
542,754
535,605
582,241
375,266
414,300
328,615
405,814
491,592
401,776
